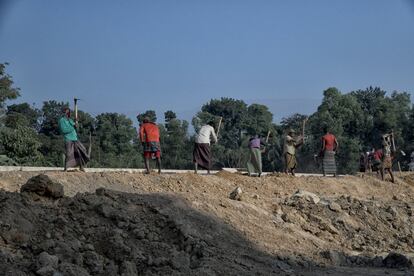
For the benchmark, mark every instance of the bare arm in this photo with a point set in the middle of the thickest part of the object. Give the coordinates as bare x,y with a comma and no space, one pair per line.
323,144
141,134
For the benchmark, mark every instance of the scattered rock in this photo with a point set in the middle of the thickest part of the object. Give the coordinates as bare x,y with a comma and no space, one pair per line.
311,197
236,194
45,260
335,207
42,185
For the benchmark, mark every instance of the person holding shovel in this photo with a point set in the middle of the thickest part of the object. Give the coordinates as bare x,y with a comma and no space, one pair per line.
202,152
75,153
329,148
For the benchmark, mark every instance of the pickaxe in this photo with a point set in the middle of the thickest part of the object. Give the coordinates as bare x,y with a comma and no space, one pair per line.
75,100
219,125
266,141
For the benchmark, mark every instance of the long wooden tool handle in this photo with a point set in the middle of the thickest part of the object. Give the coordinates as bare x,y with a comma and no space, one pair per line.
393,141
90,144
303,128
267,140
394,148
267,137
76,109
219,125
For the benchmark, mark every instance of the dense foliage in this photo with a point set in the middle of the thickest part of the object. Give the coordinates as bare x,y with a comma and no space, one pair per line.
29,136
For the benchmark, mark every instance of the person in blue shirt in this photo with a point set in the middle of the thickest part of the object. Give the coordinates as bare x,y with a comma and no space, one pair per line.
75,152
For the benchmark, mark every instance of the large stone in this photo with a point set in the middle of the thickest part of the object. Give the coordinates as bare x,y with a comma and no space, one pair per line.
236,194
43,186
396,260
45,260
311,197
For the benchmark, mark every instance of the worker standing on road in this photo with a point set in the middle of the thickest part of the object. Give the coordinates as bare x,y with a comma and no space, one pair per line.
386,165
329,148
149,135
289,151
202,153
254,165
75,152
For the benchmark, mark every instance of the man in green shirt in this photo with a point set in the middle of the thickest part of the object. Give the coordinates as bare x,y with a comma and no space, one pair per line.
76,154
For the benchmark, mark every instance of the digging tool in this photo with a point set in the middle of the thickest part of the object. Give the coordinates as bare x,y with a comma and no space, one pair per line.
394,149
75,100
267,140
267,137
90,144
219,125
303,129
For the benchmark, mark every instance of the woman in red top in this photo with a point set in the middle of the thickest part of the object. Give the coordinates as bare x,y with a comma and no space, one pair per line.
329,147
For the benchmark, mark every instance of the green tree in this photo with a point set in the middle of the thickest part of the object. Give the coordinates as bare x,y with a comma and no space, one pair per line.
7,90
24,115
52,146
149,114
239,122
175,143
114,136
21,144
259,120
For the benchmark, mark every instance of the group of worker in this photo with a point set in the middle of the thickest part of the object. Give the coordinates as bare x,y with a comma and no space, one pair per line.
379,159
149,135
291,144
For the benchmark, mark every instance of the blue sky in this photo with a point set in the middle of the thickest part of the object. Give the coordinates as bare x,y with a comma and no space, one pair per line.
130,56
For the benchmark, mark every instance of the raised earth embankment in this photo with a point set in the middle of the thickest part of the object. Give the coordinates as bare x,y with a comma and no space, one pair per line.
186,224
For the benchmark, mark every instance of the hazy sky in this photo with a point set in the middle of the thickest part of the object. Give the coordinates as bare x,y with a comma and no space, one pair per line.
130,56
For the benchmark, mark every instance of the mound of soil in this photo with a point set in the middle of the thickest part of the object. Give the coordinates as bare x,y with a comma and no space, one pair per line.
186,224
114,233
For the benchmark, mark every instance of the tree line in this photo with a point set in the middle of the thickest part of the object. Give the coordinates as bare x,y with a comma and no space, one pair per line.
29,136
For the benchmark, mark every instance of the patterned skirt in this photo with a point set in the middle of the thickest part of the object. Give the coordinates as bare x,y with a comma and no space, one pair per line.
329,164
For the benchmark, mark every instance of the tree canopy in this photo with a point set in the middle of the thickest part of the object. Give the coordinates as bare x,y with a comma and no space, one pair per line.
30,136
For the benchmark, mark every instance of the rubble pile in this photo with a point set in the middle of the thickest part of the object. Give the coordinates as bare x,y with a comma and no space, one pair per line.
114,233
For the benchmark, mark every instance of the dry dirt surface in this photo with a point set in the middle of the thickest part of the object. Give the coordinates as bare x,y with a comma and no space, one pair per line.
186,224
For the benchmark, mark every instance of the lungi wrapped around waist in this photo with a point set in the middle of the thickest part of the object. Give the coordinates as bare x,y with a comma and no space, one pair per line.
76,154
202,155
